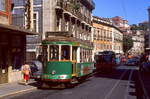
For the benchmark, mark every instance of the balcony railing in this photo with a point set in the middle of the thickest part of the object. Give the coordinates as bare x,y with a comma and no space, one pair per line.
58,33
67,6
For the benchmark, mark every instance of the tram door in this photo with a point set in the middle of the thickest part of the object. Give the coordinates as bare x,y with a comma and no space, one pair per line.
44,55
3,64
74,58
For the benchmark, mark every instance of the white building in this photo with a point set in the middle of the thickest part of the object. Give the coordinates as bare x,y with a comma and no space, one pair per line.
138,42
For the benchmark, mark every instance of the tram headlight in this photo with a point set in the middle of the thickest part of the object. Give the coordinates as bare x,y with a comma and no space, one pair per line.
53,72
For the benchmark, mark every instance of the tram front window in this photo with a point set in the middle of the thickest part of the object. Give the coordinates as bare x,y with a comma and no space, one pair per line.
65,52
54,52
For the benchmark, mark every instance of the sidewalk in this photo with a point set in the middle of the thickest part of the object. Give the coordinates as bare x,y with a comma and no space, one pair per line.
145,83
14,88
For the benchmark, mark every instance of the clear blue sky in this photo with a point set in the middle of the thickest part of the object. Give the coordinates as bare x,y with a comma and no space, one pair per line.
135,11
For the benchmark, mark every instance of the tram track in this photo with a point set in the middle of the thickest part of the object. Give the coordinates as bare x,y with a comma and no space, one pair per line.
126,75
111,91
129,80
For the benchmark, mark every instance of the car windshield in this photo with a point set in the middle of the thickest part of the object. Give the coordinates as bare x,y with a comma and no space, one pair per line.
38,64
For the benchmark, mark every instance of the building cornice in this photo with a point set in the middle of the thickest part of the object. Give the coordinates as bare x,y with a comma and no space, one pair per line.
102,21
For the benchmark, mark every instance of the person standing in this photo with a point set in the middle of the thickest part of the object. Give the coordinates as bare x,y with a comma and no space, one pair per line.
143,60
26,72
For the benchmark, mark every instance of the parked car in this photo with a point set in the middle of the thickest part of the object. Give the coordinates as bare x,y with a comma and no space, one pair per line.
130,62
36,69
133,61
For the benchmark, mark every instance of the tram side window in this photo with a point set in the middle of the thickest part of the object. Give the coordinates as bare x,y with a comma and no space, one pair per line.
65,52
90,55
81,55
54,52
44,51
74,53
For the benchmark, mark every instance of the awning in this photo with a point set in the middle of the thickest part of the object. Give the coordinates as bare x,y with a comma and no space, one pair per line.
16,30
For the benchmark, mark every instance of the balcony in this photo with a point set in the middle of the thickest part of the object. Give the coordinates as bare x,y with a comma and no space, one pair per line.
68,8
59,33
90,4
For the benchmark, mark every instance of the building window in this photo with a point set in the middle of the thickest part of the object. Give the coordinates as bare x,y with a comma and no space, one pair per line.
73,30
2,5
66,24
36,21
59,21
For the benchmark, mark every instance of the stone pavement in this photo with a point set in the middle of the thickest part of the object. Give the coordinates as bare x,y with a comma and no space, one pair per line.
14,88
145,83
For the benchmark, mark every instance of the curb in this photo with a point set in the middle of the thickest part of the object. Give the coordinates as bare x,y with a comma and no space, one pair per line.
16,92
145,96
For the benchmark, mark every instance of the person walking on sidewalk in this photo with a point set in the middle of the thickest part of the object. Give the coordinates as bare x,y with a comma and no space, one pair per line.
26,72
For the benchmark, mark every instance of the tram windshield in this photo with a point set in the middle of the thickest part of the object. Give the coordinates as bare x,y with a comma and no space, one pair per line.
65,52
53,52
59,52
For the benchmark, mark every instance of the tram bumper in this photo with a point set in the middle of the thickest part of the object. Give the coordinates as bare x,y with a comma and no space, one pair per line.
56,78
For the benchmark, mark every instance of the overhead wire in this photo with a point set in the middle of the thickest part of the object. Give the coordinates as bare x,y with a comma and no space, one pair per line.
124,9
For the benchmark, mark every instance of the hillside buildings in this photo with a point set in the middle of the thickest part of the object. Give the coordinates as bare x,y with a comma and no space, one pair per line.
122,24
106,36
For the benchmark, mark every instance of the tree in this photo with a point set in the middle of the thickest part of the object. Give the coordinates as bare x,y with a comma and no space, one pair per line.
127,43
134,27
143,27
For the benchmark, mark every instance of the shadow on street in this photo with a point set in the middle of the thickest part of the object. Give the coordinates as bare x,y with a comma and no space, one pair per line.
116,74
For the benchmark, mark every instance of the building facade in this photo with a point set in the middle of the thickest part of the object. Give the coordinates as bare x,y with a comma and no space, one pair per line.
138,42
148,39
71,16
12,45
20,19
146,42
19,10
106,36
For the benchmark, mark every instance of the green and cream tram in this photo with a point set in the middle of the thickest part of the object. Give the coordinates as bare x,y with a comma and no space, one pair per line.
66,60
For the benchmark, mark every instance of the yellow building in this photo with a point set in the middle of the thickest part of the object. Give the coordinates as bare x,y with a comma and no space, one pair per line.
106,37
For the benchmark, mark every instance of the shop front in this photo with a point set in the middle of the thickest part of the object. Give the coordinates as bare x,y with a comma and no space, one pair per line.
12,52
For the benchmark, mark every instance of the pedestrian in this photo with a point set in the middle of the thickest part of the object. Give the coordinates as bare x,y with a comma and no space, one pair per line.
26,72
143,60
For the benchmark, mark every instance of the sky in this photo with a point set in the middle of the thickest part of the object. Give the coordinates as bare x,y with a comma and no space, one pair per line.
135,11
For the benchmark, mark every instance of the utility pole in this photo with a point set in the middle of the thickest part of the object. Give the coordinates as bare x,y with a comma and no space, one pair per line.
29,15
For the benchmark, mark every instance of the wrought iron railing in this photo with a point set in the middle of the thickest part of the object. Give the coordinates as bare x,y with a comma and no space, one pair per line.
69,7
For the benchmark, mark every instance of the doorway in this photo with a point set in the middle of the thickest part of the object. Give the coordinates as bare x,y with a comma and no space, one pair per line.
3,64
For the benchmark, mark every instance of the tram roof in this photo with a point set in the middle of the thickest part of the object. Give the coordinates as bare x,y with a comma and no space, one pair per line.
67,39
